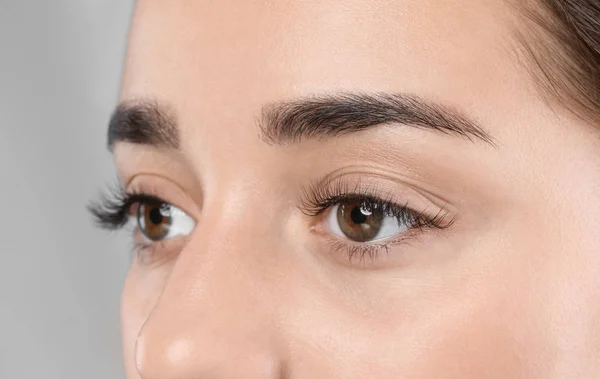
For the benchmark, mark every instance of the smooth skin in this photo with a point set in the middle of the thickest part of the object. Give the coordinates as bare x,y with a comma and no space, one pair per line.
510,290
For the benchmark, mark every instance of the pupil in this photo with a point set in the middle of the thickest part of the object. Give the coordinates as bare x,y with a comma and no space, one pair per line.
155,216
357,216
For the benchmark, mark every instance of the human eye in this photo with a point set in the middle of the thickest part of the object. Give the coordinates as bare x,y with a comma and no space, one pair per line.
369,219
363,219
156,222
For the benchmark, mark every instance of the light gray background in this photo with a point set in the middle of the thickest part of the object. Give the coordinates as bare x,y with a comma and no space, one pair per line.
60,279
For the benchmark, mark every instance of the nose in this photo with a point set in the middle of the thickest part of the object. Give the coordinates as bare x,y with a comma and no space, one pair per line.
215,315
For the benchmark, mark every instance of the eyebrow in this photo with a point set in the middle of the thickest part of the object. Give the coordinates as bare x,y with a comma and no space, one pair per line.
145,122
328,116
316,117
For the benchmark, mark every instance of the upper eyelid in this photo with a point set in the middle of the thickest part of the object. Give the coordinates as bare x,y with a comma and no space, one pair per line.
332,189
320,196
317,209
395,178
139,198
166,190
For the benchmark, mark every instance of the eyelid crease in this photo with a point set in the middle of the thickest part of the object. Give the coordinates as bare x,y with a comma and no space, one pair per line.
377,178
331,189
165,189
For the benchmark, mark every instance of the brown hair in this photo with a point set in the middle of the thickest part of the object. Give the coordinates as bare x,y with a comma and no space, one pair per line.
562,41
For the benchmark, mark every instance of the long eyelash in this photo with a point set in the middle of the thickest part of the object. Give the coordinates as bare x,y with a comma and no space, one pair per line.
317,199
112,210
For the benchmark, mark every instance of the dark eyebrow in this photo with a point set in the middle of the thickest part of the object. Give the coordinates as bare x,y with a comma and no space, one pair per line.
144,122
332,115
149,122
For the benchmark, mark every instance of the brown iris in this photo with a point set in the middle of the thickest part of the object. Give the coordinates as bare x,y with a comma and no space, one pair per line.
154,219
359,221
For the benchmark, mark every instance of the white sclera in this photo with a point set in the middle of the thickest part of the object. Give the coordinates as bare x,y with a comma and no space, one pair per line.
181,223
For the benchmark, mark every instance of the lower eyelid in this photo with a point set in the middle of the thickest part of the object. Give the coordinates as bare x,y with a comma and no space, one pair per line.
371,255
397,238
155,253
146,254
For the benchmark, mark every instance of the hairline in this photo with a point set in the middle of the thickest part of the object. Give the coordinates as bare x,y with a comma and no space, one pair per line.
553,56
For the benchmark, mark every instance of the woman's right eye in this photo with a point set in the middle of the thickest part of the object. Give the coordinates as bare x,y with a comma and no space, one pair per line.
159,221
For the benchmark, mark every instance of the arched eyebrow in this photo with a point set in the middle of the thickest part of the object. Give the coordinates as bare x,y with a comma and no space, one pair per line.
328,116
317,117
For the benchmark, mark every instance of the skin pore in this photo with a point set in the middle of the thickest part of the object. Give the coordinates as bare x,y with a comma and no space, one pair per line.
505,285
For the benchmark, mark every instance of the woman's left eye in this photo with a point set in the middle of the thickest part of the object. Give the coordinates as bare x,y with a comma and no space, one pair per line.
159,221
365,221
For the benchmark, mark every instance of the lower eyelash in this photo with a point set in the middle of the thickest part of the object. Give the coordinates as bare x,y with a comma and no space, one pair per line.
360,251
144,251
372,251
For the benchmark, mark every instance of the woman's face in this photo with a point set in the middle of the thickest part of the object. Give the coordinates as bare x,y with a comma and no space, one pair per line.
353,189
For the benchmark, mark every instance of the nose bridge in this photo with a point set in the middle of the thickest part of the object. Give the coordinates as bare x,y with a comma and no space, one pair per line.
215,317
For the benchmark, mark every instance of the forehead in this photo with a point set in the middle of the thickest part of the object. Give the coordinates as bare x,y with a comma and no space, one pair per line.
209,56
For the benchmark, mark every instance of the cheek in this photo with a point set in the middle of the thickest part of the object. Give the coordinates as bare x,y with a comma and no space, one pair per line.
482,330
446,337
494,336
481,316
529,310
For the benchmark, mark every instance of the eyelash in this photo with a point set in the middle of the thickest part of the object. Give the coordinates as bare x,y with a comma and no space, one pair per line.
318,199
113,210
